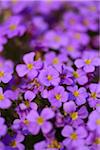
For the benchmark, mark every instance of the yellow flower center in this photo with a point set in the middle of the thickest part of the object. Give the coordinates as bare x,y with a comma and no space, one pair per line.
7,14
40,120
86,22
76,93
97,104
57,38
30,66
1,97
97,141
98,121
13,27
70,48
93,95
27,103
58,96
92,8
72,21
74,115
77,36
88,61
73,136
13,144
65,113
49,77
55,61
75,74
54,144
1,74
26,122
48,1
14,1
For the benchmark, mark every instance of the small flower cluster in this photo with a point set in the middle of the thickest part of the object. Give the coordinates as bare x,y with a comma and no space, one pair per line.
49,75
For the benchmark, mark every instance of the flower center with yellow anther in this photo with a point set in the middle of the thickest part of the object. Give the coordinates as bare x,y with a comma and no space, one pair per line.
58,96
92,8
7,14
54,144
98,104
26,122
55,61
72,21
65,113
74,115
13,144
88,61
30,66
14,1
49,77
1,97
36,83
73,136
98,121
97,141
57,38
77,36
75,74
86,22
76,93
13,27
93,95
70,48
48,1
27,103
1,74
40,120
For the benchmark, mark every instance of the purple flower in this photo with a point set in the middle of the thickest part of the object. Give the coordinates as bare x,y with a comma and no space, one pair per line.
89,23
30,68
14,142
28,104
74,138
57,95
80,94
3,127
49,76
77,117
4,99
94,121
6,72
89,61
40,121
48,145
94,96
55,60
80,76
55,40
71,49
13,27
81,38
72,21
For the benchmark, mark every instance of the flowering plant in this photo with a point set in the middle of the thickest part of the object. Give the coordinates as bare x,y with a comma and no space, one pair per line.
49,75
